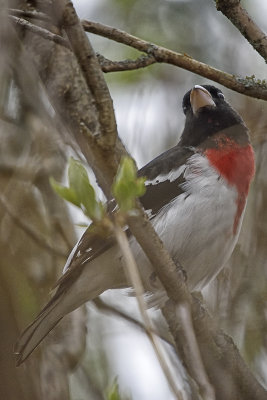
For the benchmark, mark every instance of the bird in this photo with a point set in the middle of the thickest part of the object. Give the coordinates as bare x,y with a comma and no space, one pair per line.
196,194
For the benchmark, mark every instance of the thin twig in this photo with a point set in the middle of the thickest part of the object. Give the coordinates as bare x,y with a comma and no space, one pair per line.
102,306
245,86
36,236
133,273
239,17
28,14
24,24
125,65
193,358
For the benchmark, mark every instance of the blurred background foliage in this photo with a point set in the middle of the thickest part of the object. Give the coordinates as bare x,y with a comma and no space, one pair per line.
148,109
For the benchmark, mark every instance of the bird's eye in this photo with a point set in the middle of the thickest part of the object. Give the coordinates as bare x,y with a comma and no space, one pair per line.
221,95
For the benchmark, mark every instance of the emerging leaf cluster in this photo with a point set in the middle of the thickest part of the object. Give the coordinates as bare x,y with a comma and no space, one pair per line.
80,191
125,189
127,186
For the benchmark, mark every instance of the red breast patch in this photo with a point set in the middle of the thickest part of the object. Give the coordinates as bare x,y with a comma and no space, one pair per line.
237,165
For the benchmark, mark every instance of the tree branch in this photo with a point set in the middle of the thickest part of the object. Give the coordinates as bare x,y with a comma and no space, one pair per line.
28,14
239,17
125,65
226,369
193,355
92,73
247,86
46,34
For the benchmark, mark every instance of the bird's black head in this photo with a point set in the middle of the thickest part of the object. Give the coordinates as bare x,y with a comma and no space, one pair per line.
206,113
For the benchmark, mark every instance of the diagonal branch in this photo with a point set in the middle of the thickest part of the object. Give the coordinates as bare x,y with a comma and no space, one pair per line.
246,86
93,75
46,34
28,14
107,308
239,17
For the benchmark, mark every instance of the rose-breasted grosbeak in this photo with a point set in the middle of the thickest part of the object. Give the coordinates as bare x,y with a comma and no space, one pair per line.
196,196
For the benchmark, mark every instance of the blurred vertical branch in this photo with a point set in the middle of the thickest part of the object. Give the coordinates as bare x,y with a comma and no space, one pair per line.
31,151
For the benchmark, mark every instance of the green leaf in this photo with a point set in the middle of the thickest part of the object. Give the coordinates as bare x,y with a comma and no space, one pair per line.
77,175
79,183
127,186
64,192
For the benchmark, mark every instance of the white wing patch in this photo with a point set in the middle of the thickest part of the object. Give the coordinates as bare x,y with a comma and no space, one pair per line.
170,176
69,260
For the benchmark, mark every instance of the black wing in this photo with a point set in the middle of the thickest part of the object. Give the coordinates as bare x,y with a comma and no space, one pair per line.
90,246
164,178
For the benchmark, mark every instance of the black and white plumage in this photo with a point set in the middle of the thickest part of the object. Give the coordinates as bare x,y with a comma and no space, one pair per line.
196,195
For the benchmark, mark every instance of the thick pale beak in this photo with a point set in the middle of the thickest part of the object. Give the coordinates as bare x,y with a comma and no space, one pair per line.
200,97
